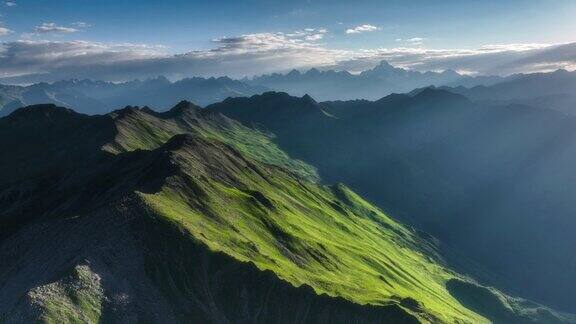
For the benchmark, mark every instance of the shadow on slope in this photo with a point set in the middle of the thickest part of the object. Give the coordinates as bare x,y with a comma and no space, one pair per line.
498,308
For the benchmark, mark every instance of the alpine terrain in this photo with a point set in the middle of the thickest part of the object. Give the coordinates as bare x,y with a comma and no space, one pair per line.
189,216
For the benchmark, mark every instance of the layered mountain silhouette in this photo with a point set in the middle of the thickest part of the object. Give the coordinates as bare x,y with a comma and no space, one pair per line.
554,90
491,180
100,97
374,83
190,216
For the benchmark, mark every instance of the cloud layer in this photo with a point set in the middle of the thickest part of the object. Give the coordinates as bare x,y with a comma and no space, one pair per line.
26,61
362,29
4,31
52,28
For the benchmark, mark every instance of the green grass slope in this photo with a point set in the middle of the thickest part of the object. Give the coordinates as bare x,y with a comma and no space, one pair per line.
490,181
325,237
189,216
145,129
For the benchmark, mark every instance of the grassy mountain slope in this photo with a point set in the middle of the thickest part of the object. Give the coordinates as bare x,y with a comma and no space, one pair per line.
304,233
139,225
490,180
145,129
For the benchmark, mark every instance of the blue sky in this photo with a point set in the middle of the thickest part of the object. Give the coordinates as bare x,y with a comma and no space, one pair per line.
299,34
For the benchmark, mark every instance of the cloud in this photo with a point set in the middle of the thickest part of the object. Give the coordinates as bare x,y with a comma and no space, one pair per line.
499,59
264,42
414,41
10,4
314,37
362,29
27,61
50,60
4,31
52,28
81,24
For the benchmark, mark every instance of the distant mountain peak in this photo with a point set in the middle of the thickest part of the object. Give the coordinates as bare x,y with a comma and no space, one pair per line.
383,69
433,94
384,65
159,79
451,72
313,72
293,72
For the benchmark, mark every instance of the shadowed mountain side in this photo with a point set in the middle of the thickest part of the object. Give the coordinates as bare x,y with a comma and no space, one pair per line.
496,306
204,176
243,224
125,265
43,145
105,267
555,90
492,181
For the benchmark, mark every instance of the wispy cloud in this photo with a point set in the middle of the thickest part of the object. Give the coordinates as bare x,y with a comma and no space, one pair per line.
30,61
40,60
53,59
314,37
362,29
416,41
52,28
498,59
10,4
4,31
81,24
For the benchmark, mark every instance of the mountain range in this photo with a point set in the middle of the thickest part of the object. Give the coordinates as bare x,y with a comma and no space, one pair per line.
372,84
555,90
491,180
449,203
100,97
188,215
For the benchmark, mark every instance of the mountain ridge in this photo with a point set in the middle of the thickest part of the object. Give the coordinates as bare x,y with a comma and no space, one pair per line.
157,180
431,162
553,90
372,84
101,97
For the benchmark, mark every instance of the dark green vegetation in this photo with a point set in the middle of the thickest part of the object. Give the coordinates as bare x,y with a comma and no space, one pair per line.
492,181
187,215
